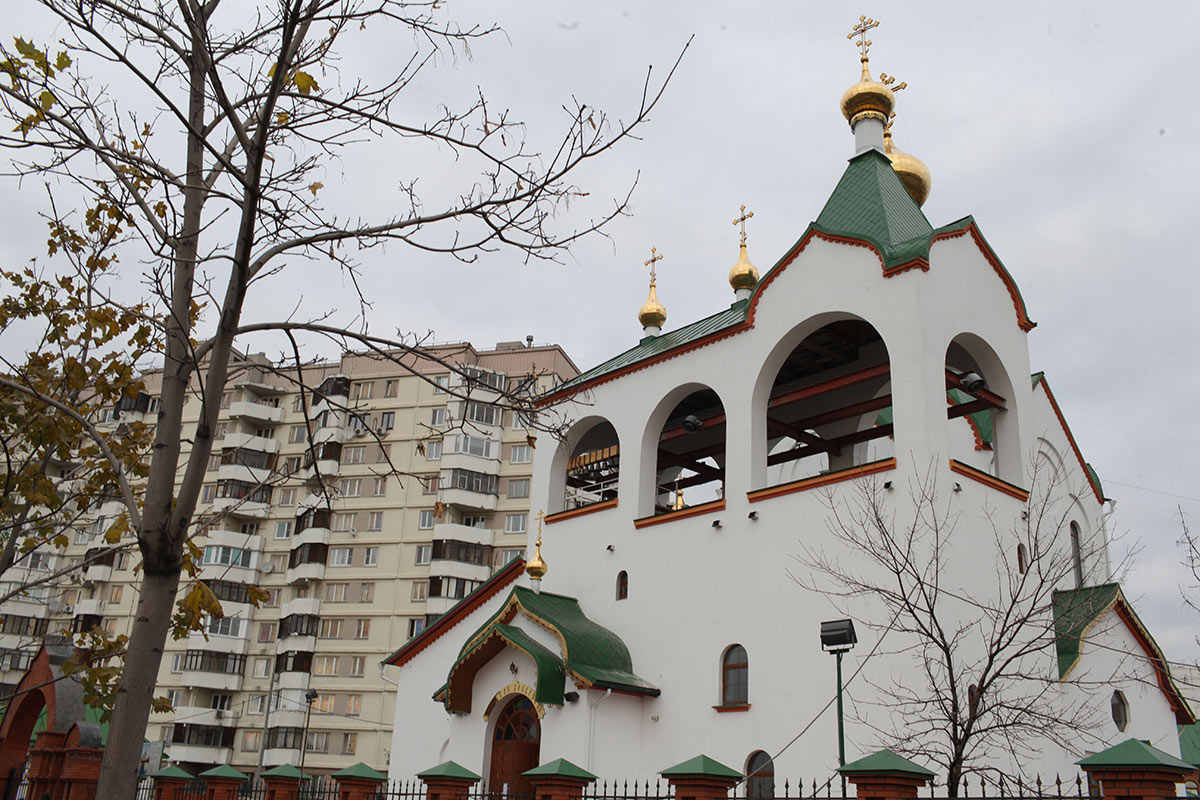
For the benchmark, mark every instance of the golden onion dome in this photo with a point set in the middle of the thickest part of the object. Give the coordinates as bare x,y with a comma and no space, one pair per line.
867,99
536,566
911,170
744,275
652,314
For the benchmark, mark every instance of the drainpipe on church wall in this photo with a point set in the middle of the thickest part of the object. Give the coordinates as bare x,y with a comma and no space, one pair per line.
592,727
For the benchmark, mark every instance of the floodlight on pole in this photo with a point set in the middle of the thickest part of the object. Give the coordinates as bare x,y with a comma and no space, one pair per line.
838,637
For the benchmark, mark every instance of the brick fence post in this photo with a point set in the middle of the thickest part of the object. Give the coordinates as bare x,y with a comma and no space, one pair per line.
701,778
283,782
886,776
448,781
45,765
169,783
1135,769
82,751
358,782
222,782
558,780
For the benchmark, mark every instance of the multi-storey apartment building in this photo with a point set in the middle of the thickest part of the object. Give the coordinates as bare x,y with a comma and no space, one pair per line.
364,507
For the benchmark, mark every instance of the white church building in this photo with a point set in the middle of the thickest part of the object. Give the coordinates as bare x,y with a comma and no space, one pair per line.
856,436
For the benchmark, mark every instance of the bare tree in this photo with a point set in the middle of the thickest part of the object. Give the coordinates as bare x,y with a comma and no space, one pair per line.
204,151
979,687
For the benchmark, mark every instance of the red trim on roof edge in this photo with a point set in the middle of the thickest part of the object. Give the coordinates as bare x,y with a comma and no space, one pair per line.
452,617
1023,320
1070,438
1183,715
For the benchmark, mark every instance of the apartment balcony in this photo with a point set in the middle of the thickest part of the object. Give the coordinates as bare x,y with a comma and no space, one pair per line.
242,541
199,754
288,715
484,464
249,441
197,715
256,412
304,644
463,533
241,472
440,605
93,607
241,508
221,681
301,605
322,469
313,571
311,536
291,680
225,572
97,573
275,756
220,644
458,569
465,498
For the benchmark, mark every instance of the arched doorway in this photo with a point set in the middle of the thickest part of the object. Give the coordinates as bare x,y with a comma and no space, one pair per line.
516,747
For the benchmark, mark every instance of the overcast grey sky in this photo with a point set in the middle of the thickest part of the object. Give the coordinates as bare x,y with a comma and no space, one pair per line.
1065,128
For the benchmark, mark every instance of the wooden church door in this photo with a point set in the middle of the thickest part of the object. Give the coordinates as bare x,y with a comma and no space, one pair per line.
516,746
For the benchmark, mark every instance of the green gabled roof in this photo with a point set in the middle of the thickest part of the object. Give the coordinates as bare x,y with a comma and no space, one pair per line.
885,762
286,771
561,768
173,772
701,765
1074,612
871,203
651,346
449,769
552,676
1094,477
1134,753
223,771
361,771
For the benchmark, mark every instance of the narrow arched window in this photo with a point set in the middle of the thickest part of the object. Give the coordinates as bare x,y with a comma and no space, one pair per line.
1076,555
735,673
622,585
760,776
1120,710
1022,558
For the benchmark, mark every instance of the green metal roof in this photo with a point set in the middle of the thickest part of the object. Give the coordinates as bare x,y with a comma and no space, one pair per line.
1074,612
982,419
552,675
286,771
173,772
871,203
224,771
1134,753
450,769
1095,478
885,762
361,771
1189,743
562,768
701,765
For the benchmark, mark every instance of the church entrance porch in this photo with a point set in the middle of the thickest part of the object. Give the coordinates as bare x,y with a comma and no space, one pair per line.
516,747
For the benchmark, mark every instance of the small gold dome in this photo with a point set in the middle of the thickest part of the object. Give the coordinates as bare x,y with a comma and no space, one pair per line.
911,170
867,99
744,275
536,566
652,314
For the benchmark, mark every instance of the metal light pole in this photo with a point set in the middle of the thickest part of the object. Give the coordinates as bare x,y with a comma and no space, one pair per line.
310,696
838,637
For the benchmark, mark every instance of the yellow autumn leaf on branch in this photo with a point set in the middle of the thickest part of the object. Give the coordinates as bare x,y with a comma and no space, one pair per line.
305,83
315,187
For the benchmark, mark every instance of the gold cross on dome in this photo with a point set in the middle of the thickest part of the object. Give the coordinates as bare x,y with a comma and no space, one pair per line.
654,256
742,221
860,30
540,516
888,80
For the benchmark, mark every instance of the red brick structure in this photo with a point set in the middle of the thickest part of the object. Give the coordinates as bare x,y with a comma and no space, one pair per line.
283,782
448,781
222,782
65,764
358,782
702,778
170,782
1134,768
558,780
886,776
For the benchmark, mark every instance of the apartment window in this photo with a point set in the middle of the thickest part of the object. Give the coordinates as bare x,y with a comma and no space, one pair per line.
214,462
343,522
424,552
258,702
515,523
433,450
420,591
358,665
362,391
472,481
226,399
352,455
437,417
349,743
114,594
390,388
521,454
230,556
483,413
262,667
325,665
520,421
353,705
122,561
331,629
251,740
387,420
429,484
505,557
266,632
297,434
375,521
473,446
518,488
362,628
335,592
287,497
440,384
219,433
415,626
177,663
425,522
379,486
278,562
208,492
173,697
324,704
225,626
248,528
366,592
317,742
475,522
265,433
341,556
350,487
383,454
298,403
371,557
152,406
272,598
283,530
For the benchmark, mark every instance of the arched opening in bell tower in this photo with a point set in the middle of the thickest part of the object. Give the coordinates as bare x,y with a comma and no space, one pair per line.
690,459
980,410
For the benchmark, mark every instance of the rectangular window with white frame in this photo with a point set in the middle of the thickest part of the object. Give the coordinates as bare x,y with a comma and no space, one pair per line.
437,417
441,383
420,591
424,554
375,521
350,487
258,704
283,529
387,420
358,665
341,556
352,455
371,557
287,497
518,487
425,522
515,523
433,450
379,486
521,454
343,523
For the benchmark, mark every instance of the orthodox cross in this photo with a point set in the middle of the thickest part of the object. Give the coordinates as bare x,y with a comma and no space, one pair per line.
742,221
654,256
888,80
540,516
860,30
